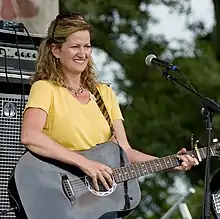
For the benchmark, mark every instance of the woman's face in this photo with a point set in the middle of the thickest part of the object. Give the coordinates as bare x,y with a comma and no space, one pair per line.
75,52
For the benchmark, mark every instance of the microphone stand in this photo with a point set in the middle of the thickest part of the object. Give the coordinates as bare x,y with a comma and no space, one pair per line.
209,108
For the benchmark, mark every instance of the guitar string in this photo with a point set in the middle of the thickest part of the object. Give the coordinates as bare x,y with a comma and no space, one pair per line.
79,184
150,169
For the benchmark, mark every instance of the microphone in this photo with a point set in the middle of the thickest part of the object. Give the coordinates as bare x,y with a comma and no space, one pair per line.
153,60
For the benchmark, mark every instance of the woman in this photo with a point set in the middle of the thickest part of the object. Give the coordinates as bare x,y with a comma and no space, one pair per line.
61,116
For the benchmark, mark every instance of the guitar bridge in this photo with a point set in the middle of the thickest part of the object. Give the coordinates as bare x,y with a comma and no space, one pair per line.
67,188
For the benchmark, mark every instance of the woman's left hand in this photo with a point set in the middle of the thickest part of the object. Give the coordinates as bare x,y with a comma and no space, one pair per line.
187,160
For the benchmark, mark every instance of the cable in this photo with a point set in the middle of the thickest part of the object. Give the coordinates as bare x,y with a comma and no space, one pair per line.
6,70
35,47
186,79
22,103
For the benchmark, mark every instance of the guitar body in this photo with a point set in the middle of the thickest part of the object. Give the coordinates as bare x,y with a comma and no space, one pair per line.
43,189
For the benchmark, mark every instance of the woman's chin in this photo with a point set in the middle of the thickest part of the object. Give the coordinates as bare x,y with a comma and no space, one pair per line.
77,70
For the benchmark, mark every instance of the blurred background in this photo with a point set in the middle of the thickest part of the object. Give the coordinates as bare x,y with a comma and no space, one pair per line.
160,116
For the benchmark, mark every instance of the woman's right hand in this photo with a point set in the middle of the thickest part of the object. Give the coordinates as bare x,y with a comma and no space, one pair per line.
98,171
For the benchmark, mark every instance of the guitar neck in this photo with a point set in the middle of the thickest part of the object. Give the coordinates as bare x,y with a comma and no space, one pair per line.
133,171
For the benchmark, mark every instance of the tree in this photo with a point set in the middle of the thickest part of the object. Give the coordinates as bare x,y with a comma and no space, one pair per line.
159,116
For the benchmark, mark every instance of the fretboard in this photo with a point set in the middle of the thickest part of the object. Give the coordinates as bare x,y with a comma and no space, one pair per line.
133,171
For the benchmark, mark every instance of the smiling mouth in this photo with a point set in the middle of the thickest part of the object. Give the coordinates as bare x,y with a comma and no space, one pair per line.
79,61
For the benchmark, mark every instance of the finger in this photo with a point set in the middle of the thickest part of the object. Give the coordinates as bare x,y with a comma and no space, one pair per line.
184,165
103,181
182,151
95,183
183,159
109,170
181,168
108,177
193,161
190,159
196,161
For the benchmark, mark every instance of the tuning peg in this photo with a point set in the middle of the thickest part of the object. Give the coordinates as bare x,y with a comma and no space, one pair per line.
215,140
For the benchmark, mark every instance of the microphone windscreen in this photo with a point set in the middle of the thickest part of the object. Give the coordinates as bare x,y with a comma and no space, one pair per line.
149,58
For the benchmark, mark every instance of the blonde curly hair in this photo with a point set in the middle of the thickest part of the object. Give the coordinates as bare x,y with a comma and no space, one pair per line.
48,67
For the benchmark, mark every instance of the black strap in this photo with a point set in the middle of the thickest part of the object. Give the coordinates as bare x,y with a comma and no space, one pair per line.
104,111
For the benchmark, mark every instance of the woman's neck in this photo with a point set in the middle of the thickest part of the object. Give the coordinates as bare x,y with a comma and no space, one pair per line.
74,81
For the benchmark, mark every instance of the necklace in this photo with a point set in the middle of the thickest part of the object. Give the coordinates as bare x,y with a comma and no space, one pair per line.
76,92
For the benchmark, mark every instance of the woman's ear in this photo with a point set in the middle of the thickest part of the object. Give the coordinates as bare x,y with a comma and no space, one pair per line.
55,51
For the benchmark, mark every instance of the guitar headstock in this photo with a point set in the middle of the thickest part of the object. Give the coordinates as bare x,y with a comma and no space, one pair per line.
216,149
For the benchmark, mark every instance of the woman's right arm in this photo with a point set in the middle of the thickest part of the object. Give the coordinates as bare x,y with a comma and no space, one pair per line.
35,140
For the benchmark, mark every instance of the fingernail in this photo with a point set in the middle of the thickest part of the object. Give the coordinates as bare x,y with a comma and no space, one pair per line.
197,162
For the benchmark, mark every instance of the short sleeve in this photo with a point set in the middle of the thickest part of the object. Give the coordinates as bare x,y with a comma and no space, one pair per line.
40,96
115,109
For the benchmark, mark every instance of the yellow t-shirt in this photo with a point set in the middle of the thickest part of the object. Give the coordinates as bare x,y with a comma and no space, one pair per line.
72,124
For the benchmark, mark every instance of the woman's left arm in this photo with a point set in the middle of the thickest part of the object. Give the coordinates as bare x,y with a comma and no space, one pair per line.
136,156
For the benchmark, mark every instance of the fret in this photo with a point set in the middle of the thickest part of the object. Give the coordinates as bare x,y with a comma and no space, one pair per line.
135,167
157,164
153,165
132,171
165,162
120,175
170,161
149,168
126,173
174,161
115,175
203,155
143,169
138,170
211,151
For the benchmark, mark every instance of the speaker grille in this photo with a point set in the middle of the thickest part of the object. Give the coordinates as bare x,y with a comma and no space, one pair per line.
11,108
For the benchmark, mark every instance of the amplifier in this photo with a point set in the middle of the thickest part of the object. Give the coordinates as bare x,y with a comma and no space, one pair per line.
11,149
9,60
17,55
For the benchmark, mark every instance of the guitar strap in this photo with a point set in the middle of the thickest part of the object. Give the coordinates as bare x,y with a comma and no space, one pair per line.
103,109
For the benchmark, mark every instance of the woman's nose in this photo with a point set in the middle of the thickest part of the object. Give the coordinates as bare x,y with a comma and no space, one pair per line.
82,52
